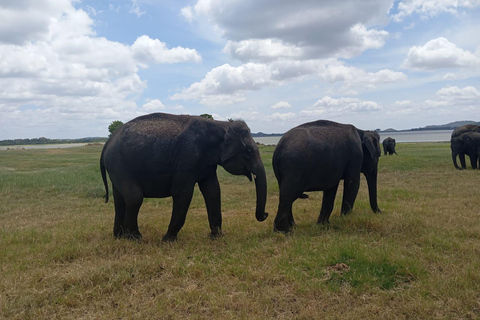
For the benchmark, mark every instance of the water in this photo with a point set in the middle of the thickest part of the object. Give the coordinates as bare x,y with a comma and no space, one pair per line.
45,146
406,136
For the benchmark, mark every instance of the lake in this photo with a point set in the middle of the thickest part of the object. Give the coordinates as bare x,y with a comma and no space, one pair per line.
405,136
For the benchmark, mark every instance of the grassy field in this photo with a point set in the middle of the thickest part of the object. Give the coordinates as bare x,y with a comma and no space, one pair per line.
420,259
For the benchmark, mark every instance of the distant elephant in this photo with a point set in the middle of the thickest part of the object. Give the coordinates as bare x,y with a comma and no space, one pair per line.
457,149
161,155
389,146
315,156
466,143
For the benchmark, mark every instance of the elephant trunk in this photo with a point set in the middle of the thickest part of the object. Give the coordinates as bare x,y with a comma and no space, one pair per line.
261,188
372,190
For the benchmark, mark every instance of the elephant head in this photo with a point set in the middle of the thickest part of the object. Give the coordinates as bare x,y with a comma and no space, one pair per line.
371,153
239,155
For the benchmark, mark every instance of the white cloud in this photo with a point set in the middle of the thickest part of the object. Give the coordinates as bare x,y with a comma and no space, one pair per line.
61,73
136,9
440,53
228,84
187,14
455,94
147,50
430,8
271,29
282,116
154,105
261,49
328,106
281,105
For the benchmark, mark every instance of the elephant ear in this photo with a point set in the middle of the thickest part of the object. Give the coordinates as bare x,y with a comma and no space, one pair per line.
232,145
369,145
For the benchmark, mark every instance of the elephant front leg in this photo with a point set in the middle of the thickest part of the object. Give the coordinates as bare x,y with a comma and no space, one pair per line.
181,202
461,156
210,189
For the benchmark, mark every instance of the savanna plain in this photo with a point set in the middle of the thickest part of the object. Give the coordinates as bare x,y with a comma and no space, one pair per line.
419,259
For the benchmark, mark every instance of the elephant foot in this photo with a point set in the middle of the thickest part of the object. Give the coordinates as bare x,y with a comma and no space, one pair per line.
169,238
216,234
323,222
121,233
282,229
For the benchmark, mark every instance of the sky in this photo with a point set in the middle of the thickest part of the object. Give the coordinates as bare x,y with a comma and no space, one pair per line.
68,68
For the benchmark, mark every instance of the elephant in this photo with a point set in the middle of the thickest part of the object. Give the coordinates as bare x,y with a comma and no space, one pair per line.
466,143
389,146
461,155
315,156
161,155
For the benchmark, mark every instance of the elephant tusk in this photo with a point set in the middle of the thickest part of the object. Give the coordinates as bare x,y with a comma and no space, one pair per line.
255,176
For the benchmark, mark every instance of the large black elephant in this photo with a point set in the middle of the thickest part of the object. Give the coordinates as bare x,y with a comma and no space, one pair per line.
457,144
315,156
161,155
467,143
389,146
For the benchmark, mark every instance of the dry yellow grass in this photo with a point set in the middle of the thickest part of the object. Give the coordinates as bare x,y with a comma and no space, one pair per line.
420,259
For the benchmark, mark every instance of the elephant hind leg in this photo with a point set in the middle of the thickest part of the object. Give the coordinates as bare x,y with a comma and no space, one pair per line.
328,202
120,209
350,191
127,205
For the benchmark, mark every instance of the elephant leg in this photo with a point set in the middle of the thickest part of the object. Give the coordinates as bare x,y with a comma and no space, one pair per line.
133,202
181,202
328,202
473,161
461,156
210,189
289,192
120,208
350,191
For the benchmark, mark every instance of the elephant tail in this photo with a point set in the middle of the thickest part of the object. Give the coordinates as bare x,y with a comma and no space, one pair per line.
104,175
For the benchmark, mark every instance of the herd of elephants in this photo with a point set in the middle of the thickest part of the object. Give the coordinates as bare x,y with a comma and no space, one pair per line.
163,155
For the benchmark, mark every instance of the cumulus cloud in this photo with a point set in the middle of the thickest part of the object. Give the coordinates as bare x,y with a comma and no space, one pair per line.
228,84
281,105
60,72
282,116
328,106
430,8
147,50
301,29
154,105
440,53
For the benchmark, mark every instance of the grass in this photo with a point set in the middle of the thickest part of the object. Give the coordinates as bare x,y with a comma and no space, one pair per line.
420,259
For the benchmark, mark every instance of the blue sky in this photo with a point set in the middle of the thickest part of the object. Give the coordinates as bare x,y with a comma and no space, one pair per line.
79,65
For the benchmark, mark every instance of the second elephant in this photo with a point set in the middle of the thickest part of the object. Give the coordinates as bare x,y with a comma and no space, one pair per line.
315,156
456,144
466,143
389,146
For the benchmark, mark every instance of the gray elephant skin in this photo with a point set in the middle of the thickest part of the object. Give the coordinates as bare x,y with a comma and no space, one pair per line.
161,155
315,156
389,146
458,147
467,143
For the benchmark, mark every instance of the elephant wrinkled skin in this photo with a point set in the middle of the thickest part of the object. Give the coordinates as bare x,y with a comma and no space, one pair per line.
161,155
315,156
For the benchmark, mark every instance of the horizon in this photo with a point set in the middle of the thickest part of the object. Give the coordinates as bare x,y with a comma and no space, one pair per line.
79,65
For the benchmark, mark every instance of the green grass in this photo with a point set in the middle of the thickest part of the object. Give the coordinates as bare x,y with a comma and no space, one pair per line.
420,259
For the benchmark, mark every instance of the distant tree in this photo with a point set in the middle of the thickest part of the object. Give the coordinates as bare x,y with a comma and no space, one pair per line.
230,120
114,126
207,116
